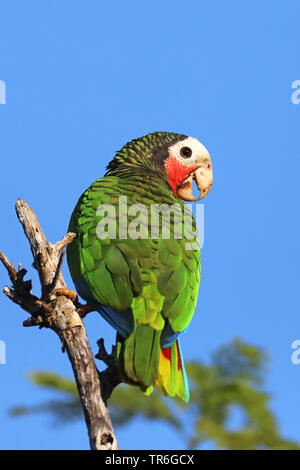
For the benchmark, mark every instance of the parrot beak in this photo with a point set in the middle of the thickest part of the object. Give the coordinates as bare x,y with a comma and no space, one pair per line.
204,179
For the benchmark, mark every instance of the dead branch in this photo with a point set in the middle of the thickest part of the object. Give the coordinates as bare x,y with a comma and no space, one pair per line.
64,317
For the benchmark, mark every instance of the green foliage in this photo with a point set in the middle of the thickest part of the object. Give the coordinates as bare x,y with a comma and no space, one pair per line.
60,409
231,382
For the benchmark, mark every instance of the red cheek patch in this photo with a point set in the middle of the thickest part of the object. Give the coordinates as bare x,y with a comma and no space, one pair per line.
177,172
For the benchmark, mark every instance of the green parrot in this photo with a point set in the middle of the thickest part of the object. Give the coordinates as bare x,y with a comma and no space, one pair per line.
136,259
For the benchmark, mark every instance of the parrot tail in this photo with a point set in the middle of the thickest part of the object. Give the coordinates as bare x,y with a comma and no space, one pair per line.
142,362
139,357
172,378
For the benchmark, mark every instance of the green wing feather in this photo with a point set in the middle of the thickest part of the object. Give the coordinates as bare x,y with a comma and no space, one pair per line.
158,279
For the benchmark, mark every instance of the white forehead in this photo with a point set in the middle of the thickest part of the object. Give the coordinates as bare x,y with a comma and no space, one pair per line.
194,144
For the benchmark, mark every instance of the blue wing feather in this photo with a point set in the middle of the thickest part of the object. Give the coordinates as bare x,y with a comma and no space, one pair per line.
122,321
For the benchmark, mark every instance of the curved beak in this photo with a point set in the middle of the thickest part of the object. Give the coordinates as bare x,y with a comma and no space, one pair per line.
203,176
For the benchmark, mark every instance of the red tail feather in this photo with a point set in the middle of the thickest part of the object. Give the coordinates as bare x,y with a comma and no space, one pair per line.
167,354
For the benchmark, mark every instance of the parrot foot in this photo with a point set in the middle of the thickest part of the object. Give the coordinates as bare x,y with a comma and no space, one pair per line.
72,295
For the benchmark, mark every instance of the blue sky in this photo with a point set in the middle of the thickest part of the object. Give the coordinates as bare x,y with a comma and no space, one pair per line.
82,79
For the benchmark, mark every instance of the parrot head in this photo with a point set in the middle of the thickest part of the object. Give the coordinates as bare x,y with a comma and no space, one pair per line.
181,159
188,160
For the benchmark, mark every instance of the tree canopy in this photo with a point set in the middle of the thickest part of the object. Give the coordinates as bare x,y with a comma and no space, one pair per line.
232,384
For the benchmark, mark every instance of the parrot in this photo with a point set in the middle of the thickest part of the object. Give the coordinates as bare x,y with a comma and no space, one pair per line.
144,284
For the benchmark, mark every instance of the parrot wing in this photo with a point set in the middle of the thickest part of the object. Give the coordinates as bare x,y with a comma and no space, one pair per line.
135,283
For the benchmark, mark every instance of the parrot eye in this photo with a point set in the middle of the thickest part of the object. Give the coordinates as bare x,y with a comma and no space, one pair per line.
186,152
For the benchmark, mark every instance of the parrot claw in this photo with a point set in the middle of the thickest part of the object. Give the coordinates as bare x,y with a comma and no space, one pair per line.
72,295
84,309
69,293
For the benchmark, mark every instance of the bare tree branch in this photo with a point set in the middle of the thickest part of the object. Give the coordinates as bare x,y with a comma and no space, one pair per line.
110,377
63,316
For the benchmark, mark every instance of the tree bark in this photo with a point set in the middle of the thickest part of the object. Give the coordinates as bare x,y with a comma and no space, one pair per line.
64,317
